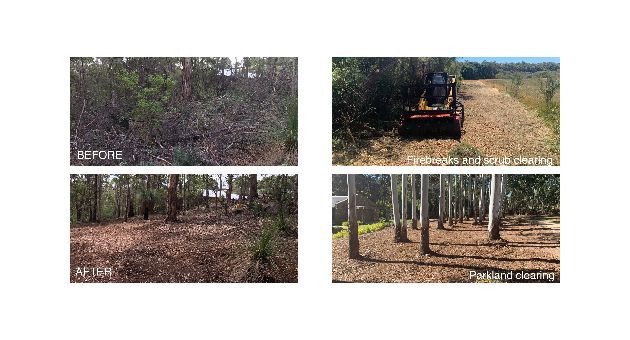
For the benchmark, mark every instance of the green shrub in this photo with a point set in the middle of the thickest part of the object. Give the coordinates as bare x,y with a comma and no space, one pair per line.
465,151
346,223
257,209
185,157
280,223
363,229
263,247
290,134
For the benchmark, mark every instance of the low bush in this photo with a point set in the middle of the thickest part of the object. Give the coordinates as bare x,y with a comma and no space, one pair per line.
363,229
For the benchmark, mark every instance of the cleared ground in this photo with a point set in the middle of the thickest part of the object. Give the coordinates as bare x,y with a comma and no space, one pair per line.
495,123
531,245
202,247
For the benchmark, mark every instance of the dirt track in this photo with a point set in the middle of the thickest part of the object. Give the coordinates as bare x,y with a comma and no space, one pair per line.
495,124
532,246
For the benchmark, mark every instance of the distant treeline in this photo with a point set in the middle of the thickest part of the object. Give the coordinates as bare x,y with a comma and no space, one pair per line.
97,198
491,70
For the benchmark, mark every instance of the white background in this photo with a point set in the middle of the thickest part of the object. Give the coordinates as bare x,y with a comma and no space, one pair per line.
37,301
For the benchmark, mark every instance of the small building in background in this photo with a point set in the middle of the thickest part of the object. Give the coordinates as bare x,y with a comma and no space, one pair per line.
366,210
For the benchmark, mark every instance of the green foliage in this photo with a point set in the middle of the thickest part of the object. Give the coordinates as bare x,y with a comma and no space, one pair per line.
491,70
533,194
263,247
516,81
368,92
280,222
548,88
363,229
464,150
257,209
346,223
185,157
290,134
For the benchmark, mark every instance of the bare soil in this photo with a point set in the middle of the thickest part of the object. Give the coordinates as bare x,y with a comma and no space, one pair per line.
495,123
529,245
201,247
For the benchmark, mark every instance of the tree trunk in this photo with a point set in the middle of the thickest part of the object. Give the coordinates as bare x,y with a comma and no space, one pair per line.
461,199
172,198
145,201
395,208
424,216
187,78
253,186
502,203
403,228
96,196
475,197
353,226
414,216
450,200
440,223
128,201
482,199
494,219
229,189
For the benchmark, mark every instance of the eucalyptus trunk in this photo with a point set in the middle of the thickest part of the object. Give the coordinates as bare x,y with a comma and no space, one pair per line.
424,216
353,225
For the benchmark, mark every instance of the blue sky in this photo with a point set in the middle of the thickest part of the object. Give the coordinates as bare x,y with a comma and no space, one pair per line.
512,59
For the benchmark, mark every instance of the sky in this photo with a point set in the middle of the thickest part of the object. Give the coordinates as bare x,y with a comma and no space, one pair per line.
533,60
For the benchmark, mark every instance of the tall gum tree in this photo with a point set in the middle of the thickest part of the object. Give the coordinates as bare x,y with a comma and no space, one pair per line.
424,216
414,215
450,200
395,207
353,225
172,198
403,202
494,219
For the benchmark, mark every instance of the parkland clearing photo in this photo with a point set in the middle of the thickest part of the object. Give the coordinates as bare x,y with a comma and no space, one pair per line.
472,228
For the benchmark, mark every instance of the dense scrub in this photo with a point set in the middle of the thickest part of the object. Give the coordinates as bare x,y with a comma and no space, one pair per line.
184,111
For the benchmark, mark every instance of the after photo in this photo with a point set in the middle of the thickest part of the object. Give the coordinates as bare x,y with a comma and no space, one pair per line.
183,228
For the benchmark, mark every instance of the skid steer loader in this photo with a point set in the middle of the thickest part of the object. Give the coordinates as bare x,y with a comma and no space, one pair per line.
432,108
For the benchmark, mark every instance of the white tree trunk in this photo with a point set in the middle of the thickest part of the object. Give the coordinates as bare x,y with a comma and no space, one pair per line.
450,200
353,226
440,224
462,203
494,219
424,215
395,207
482,199
414,216
403,202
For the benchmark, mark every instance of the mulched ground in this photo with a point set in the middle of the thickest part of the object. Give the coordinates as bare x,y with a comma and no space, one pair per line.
531,245
202,247
495,123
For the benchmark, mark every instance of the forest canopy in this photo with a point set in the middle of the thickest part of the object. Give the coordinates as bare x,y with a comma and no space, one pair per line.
99,198
184,111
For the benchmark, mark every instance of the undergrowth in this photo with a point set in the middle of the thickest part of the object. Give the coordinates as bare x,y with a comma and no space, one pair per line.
363,229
